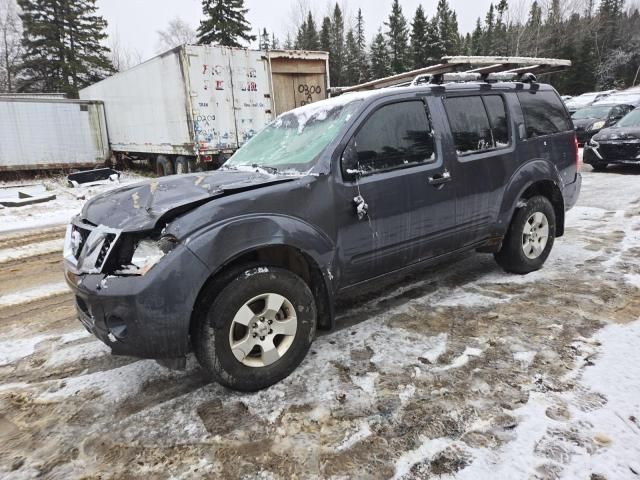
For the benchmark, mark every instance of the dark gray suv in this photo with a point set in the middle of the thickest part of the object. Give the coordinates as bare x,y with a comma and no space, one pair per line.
241,265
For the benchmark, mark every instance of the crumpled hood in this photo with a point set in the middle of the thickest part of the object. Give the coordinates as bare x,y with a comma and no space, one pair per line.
140,206
618,134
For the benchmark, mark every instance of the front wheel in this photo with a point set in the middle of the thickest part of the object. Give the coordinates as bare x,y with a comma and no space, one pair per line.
530,237
257,329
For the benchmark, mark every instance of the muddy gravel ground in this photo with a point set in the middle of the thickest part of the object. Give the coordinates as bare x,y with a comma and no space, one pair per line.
460,371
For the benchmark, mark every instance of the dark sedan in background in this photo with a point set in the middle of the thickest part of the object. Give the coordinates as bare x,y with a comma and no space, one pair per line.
617,144
590,120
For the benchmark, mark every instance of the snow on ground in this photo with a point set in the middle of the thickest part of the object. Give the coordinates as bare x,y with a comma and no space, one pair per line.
458,371
68,203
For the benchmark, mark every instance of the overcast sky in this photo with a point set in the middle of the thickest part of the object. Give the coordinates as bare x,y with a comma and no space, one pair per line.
136,22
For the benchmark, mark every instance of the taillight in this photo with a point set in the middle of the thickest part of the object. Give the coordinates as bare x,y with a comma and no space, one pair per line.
577,152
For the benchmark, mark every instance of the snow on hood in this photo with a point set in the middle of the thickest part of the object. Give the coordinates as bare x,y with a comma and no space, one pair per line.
138,207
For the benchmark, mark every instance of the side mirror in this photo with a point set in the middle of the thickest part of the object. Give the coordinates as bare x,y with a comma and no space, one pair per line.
349,161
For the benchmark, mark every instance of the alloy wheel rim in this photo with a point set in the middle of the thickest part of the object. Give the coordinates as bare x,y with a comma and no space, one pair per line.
535,235
263,329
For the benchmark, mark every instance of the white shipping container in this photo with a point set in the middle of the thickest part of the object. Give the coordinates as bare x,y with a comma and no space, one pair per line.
202,101
46,133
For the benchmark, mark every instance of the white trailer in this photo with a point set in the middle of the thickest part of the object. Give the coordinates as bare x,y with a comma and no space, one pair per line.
49,133
192,106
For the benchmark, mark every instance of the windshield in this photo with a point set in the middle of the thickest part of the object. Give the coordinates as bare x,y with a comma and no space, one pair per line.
591,112
295,139
631,119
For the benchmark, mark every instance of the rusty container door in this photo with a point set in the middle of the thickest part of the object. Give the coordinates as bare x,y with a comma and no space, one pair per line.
298,79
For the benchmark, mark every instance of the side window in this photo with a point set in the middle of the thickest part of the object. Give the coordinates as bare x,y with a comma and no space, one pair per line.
543,113
469,124
498,119
394,136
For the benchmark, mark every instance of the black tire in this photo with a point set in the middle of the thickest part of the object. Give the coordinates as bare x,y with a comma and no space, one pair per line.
182,165
599,167
164,166
512,257
215,318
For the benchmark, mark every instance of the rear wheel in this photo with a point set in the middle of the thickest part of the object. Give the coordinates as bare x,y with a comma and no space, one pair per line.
530,237
164,166
182,165
257,329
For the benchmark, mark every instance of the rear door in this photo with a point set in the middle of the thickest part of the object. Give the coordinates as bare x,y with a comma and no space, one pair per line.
484,159
410,211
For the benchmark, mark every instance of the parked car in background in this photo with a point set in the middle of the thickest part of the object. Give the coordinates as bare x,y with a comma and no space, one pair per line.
586,99
565,98
590,120
630,97
617,144
243,264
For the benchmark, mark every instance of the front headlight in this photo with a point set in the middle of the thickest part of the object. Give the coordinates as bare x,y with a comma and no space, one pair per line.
597,125
146,254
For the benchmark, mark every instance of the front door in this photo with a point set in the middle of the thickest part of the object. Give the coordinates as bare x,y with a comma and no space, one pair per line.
398,207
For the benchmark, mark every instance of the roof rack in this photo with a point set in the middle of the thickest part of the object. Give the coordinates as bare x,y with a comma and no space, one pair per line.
468,68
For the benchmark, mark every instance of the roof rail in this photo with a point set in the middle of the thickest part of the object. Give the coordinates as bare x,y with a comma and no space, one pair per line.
468,68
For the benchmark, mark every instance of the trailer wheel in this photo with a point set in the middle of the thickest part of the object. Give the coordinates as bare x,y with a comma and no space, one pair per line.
182,165
164,166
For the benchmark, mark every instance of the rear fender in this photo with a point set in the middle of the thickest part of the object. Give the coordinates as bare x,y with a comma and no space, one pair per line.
537,171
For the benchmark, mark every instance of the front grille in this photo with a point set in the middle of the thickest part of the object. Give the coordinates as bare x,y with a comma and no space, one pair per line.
109,238
620,151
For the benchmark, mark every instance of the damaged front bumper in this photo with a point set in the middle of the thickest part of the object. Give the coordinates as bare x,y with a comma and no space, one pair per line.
145,316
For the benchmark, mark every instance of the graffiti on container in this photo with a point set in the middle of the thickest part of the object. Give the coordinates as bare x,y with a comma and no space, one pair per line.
251,73
253,105
203,104
219,85
249,87
216,70
308,91
203,128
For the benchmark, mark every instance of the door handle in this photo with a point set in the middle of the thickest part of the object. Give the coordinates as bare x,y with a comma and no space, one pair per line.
440,178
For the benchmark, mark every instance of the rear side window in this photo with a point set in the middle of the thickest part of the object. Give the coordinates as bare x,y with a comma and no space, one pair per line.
394,136
477,123
543,113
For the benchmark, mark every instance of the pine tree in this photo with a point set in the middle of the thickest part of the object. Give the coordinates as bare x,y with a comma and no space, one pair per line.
225,23
380,61
490,25
361,43
351,60
325,35
336,52
275,43
476,39
265,40
308,35
534,25
419,46
398,38
62,45
447,22
501,41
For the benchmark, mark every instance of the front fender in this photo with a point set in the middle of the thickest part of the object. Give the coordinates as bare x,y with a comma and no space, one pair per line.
524,177
220,243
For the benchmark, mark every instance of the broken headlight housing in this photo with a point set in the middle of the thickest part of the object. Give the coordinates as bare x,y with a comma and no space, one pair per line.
146,254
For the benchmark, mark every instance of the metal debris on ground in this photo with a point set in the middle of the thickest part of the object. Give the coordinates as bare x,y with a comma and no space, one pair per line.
21,195
98,176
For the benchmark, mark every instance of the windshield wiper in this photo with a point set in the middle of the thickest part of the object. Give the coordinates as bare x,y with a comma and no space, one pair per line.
268,168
